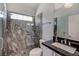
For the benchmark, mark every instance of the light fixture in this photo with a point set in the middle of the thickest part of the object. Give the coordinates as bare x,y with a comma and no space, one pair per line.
68,5
21,17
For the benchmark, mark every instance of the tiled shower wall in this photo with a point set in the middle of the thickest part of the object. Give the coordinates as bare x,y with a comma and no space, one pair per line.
1,40
19,38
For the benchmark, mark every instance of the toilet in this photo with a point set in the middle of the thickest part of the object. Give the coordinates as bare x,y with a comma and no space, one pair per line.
37,51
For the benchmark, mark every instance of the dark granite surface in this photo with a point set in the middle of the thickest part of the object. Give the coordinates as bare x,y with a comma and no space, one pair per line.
58,50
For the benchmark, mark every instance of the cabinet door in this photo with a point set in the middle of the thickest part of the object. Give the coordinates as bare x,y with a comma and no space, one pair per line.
47,51
74,27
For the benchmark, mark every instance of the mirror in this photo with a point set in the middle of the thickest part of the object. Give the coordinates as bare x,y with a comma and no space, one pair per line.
62,26
74,27
68,27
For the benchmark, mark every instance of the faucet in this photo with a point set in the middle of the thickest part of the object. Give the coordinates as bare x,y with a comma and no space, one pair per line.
64,34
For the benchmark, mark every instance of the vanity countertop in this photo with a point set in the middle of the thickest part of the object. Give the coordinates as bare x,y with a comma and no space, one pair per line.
58,50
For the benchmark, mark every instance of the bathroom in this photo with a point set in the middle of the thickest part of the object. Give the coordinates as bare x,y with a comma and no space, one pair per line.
39,29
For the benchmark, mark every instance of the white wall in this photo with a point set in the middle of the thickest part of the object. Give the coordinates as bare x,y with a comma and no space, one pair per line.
47,10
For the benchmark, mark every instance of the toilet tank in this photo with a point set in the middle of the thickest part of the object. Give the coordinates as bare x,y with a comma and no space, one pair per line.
41,41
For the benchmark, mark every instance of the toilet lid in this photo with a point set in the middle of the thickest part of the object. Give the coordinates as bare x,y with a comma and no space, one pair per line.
36,51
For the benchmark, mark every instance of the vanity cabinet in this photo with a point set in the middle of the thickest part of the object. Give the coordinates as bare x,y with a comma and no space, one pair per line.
49,52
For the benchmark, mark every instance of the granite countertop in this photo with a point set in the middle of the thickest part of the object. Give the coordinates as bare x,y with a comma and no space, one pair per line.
58,50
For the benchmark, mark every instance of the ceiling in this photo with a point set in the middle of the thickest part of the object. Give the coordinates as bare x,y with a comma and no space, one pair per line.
58,5
28,9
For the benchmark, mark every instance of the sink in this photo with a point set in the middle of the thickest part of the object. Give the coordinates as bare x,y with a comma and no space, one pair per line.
64,47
